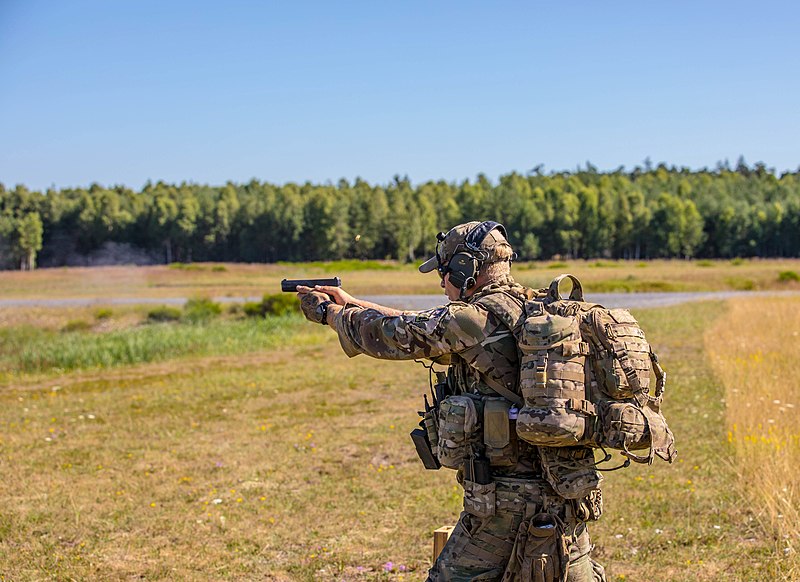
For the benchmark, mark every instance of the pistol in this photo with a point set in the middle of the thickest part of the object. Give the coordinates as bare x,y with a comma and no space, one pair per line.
290,285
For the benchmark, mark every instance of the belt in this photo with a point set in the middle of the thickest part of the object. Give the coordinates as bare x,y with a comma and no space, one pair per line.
529,496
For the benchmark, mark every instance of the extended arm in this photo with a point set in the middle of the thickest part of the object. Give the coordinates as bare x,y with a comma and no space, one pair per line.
342,298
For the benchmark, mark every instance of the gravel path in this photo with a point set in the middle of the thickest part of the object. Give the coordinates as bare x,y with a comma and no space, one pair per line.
417,302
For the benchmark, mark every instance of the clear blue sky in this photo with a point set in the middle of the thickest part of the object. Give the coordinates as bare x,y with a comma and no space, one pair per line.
122,91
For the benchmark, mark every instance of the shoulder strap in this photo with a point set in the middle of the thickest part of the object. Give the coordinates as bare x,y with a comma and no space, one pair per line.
511,311
508,308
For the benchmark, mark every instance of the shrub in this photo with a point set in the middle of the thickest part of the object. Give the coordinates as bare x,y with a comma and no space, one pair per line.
557,265
740,284
186,267
705,263
737,261
76,325
346,265
786,276
603,265
164,313
253,309
280,304
277,304
201,309
103,313
219,268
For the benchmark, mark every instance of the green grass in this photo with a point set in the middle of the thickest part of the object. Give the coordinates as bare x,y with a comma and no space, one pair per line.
33,350
787,276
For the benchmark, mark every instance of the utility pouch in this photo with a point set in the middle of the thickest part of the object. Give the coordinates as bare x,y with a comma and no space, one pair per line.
480,499
458,425
541,551
571,471
499,432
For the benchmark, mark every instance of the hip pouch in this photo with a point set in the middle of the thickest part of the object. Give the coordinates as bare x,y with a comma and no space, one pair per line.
571,471
458,427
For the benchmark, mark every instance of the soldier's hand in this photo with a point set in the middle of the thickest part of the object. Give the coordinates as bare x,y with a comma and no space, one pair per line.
339,295
312,305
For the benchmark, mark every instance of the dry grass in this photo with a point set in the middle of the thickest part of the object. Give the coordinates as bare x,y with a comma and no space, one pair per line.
755,350
239,280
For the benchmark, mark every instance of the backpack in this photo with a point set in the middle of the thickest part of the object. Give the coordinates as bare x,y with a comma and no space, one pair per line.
585,377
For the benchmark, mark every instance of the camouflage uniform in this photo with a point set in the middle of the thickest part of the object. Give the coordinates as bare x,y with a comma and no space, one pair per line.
480,351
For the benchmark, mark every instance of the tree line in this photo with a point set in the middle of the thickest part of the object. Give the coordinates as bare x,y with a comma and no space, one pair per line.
650,212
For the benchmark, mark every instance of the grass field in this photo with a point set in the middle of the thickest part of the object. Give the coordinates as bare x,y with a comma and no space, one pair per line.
239,280
261,452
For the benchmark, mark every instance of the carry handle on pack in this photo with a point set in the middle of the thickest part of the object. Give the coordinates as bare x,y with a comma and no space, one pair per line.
576,294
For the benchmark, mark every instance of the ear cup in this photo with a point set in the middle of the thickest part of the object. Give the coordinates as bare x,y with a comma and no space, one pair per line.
463,269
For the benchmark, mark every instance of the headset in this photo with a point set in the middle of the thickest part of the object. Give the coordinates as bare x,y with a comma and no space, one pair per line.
465,265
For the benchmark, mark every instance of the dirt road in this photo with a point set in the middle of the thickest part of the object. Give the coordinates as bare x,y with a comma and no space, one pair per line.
417,302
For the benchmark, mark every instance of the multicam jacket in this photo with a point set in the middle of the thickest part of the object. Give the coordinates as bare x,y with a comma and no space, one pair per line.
478,347
466,335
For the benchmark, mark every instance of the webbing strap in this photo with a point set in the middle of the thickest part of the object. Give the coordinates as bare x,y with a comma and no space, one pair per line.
581,405
497,542
566,375
540,377
661,375
478,552
630,373
506,393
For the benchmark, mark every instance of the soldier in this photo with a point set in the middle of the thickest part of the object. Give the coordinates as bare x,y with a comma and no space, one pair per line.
514,525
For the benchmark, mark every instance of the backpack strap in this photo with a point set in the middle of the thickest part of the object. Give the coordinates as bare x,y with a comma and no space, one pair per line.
503,391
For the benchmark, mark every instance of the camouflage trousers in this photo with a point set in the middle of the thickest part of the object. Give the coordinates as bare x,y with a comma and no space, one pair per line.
526,540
